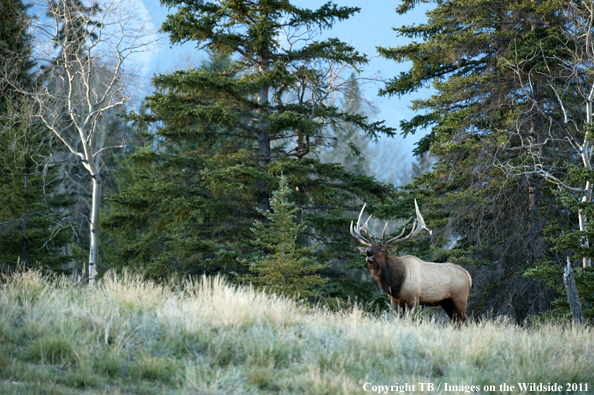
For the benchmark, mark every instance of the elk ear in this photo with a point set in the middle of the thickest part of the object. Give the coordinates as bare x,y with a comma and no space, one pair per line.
393,250
362,250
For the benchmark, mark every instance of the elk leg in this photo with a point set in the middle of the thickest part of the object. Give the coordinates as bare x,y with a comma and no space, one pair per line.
450,308
412,305
460,310
400,307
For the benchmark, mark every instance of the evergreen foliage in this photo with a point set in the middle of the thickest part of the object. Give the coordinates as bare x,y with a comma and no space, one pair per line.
497,220
348,143
566,241
33,231
226,135
15,46
33,227
561,59
286,268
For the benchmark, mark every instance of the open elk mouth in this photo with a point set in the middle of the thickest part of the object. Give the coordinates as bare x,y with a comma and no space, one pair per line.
369,259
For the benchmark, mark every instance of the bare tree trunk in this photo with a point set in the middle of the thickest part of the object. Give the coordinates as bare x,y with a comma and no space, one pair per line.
24,247
572,295
94,248
587,198
583,220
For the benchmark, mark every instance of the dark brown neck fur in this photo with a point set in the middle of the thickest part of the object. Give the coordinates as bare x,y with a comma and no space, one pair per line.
390,276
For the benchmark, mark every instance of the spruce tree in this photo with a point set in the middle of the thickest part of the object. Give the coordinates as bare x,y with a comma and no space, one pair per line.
263,116
285,268
498,220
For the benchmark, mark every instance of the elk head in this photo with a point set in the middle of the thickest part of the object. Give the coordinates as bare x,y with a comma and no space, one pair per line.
378,253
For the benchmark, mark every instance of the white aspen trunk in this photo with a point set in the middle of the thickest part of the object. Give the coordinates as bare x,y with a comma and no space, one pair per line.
94,248
583,220
26,216
587,198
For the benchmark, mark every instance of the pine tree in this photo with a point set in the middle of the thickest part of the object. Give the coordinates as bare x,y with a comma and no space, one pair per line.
286,268
499,219
246,125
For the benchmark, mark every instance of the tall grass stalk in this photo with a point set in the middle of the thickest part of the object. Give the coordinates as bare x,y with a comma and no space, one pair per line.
208,337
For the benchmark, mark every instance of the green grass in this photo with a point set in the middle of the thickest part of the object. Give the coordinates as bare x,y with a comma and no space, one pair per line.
128,336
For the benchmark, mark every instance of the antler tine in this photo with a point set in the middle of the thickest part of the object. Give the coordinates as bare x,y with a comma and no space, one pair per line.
366,230
418,227
357,231
395,238
366,222
420,222
357,237
398,239
361,214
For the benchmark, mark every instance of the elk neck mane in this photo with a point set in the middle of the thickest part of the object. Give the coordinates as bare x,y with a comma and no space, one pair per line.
391,276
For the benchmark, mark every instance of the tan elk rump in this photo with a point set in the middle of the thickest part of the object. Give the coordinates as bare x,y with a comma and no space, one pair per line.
410,281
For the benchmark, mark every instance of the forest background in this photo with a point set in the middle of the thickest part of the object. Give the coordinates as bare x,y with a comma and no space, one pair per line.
272,120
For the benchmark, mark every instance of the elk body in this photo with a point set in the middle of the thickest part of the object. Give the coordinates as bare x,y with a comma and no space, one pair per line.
410,281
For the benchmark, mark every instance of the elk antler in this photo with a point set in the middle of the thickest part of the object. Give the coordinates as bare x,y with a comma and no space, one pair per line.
417,228
357,232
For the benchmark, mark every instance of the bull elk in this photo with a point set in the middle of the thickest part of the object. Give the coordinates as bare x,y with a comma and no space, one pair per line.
408,280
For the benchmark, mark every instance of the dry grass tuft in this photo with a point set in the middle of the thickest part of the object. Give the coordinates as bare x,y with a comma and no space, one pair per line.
209,337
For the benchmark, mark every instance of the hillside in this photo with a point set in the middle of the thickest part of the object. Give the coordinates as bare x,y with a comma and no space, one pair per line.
130,336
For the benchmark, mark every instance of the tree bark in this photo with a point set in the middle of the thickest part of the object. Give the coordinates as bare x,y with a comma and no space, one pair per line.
572,295
587,198
26,217
94,248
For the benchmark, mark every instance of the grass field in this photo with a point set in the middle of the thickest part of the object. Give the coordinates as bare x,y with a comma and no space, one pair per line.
128,336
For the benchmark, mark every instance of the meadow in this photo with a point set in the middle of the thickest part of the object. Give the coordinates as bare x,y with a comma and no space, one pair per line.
130,336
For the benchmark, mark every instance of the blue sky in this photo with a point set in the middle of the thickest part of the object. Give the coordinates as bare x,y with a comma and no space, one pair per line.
371,27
